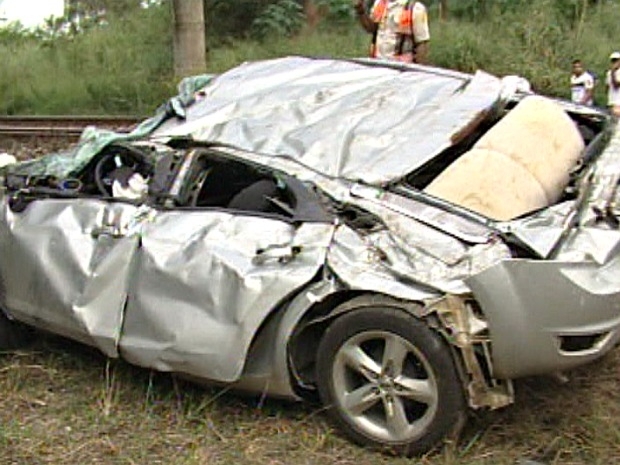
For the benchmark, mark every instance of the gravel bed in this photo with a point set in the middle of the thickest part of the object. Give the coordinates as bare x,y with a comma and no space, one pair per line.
24,149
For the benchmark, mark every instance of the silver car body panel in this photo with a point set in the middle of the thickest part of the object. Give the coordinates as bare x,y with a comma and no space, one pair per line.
268,368
202,289
63,270
532,305
177,291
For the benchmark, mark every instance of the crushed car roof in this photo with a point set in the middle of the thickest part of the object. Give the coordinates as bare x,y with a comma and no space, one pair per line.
359,120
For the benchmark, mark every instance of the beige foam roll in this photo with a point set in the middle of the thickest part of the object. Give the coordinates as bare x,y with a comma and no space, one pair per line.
539,135
489,183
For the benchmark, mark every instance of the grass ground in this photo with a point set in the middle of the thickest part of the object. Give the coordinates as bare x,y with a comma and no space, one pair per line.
62,403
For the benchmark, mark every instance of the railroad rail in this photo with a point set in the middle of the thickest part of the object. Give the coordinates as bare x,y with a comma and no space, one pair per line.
62,127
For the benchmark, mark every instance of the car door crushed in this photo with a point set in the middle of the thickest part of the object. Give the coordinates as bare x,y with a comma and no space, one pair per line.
66,266
180,286
219,271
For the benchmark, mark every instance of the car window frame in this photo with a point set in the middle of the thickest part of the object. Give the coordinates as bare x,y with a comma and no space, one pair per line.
308,206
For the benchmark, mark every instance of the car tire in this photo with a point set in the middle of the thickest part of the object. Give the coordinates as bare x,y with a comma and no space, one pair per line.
389,381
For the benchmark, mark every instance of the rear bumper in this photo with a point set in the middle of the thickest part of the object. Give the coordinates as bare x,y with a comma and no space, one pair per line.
547,316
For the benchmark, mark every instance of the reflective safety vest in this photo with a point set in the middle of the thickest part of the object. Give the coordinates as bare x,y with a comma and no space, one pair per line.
404,29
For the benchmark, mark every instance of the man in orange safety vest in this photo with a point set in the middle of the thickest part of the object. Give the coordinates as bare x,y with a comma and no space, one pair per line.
399,28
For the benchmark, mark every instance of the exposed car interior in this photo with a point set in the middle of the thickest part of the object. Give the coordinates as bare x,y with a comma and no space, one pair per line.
205,178
219,182
123,171
115,170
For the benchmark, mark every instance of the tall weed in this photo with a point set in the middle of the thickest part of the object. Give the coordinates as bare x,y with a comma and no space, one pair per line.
123,67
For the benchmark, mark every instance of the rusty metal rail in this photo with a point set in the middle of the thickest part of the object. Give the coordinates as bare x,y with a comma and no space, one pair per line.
69,127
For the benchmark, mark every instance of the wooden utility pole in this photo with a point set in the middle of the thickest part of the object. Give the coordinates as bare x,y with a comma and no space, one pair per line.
189,37
312,14
443,9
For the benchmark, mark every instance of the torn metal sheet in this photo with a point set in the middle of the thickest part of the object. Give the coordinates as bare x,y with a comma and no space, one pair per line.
541,231
408,272
417,252
468,333
361,266
468,227
602,200
589,243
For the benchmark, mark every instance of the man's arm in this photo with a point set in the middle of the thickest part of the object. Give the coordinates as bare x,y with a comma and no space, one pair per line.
362,17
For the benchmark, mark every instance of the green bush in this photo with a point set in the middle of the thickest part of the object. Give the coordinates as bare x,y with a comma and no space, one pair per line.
538,43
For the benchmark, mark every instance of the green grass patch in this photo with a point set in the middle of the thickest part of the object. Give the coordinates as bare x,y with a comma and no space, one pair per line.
65,403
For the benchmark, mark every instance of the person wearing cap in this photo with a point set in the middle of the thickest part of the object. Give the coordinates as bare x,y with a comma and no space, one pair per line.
399,29
613,84
581,84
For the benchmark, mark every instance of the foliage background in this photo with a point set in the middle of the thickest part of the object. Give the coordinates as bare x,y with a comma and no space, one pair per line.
115,56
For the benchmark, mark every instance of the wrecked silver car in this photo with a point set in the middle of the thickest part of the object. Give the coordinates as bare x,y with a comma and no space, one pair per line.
403,241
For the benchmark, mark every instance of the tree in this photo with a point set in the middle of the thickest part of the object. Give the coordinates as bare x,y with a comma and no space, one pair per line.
443,9
312,13
189,37
83,14
85,8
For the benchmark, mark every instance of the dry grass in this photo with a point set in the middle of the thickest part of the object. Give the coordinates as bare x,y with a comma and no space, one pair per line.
62,403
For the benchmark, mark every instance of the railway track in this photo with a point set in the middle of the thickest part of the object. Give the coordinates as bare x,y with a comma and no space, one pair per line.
60,127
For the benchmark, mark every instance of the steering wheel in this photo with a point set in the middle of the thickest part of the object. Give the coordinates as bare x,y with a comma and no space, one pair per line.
117,165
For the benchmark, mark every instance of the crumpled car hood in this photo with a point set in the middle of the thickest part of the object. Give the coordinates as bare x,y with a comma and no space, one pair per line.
342,118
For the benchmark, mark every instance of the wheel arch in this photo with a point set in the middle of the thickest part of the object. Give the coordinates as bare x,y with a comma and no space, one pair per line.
318,318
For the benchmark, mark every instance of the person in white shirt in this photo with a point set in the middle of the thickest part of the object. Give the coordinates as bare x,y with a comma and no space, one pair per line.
399,28
581,85
612,80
